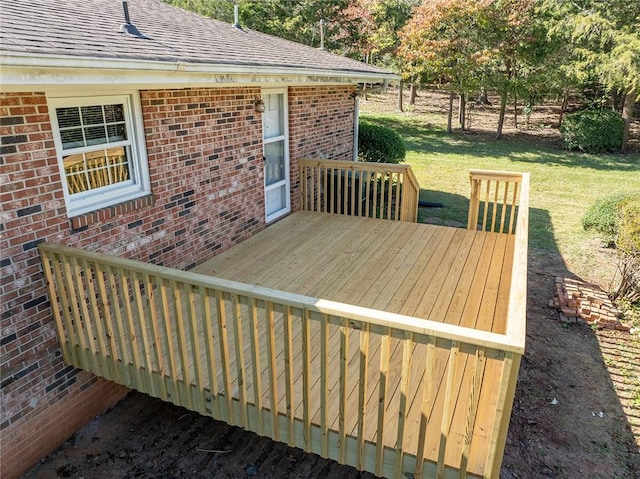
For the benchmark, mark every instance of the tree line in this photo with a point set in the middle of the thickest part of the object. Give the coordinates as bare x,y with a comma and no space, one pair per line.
525,51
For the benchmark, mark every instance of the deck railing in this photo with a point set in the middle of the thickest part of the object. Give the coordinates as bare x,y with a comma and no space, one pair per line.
385,393
375,190
494,200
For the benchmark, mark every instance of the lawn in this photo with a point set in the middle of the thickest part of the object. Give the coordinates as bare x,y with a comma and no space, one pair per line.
563,184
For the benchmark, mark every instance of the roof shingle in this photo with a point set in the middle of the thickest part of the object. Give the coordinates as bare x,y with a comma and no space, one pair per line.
80,28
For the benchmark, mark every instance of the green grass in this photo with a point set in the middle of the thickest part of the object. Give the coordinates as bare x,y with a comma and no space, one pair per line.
563,184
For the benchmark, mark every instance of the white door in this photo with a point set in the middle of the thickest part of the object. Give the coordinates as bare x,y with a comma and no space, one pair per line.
276,154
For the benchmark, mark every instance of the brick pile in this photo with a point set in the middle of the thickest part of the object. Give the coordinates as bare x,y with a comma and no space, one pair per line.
587,303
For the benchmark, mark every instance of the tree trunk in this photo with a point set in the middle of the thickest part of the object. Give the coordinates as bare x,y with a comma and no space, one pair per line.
503,110
515,111
462,112
563,108
627,114
400,107
413,93
450,114
484,99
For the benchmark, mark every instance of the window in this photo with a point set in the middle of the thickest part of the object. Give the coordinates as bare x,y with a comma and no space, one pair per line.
100,151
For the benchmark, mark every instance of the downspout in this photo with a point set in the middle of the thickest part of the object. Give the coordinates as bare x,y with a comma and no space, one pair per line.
356,113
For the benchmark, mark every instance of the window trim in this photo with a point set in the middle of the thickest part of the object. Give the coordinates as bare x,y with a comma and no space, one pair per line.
140,184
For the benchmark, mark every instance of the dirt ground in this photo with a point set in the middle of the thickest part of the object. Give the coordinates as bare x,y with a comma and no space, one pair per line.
576,412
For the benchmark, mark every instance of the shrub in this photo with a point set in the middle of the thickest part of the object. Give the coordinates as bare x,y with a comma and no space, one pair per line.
379,144
603,216
628,244
593,131
628,239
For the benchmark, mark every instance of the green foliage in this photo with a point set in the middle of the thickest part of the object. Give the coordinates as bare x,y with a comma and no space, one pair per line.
593,131
629,230
603,216
379,144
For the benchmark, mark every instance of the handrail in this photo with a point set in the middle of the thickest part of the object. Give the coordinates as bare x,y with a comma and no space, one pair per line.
377,190
351,312
226,349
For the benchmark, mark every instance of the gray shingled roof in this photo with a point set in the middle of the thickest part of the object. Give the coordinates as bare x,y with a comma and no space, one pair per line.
90,28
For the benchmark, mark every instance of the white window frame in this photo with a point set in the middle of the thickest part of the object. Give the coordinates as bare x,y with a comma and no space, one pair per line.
286,182
139,184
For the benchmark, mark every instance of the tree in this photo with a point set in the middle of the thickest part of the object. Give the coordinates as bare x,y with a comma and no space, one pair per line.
604,36
442,43
296,20
515,35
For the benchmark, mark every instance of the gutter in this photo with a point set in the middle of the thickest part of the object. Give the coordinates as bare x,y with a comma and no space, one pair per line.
48,64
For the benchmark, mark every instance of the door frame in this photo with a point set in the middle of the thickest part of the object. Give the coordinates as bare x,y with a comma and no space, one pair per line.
286,182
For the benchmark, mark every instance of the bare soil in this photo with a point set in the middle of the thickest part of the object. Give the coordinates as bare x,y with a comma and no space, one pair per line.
576,412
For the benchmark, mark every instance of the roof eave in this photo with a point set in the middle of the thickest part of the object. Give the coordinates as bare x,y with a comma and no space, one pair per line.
36,69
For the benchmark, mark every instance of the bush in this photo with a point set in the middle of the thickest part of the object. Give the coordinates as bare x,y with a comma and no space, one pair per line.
379,144
603,215
593,131
628,244
628,240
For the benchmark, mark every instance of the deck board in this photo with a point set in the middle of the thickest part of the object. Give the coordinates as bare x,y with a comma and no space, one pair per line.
400,267
443,274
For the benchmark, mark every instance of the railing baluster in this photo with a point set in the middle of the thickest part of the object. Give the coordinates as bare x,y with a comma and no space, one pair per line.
503,214
224,356
168,337
241,369
382,400
182,346
362,392
512,217
306,379
273,385
210,351
288,374
495,205
150,287
254,333
407,346
129,326
398,192
344,358
427,403
195,348
142,324
324,390
447,412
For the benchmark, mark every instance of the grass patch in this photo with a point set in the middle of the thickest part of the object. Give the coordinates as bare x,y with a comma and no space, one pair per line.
563,183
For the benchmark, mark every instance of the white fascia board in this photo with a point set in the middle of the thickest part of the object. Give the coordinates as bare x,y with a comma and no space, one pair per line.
22,69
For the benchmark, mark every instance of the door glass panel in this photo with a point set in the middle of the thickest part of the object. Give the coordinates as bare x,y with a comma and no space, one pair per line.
275,199
273,118
274,164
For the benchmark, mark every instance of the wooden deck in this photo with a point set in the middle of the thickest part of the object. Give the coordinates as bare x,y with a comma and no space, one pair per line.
451,275
444,274
387,345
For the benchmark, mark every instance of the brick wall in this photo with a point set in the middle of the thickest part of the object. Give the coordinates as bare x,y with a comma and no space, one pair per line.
320,126
204,149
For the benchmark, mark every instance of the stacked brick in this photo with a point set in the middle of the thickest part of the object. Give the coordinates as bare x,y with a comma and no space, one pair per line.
579,301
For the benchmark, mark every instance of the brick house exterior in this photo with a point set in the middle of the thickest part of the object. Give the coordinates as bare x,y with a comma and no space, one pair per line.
203,147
